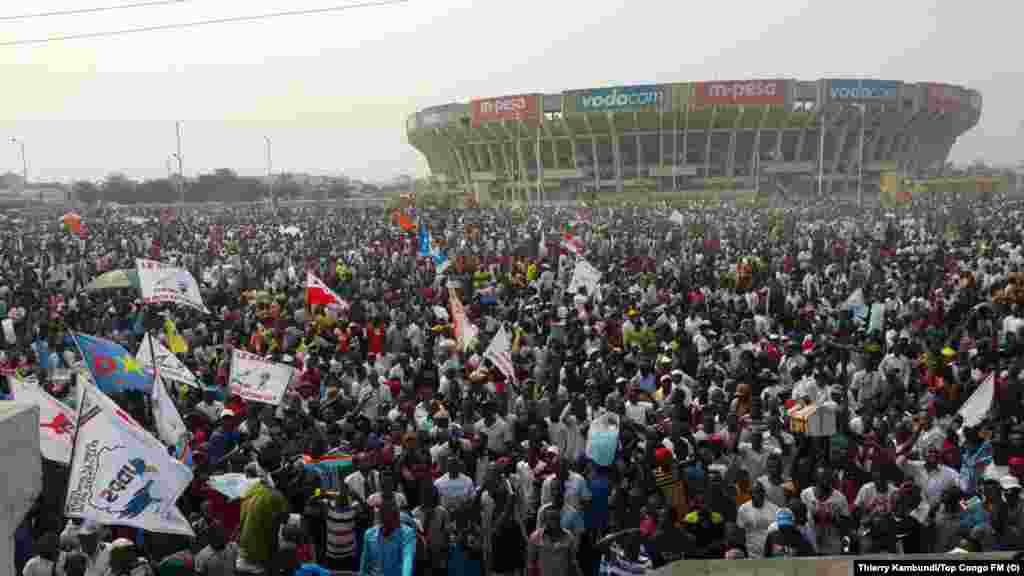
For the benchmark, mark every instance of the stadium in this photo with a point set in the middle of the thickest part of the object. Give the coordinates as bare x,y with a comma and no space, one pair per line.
797,137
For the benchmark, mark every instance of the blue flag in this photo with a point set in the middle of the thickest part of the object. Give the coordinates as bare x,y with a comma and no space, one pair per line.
114,368
426,246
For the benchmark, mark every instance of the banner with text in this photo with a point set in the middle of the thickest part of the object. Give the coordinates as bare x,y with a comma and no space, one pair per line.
257,379
622,99
524,108
742,93
849,90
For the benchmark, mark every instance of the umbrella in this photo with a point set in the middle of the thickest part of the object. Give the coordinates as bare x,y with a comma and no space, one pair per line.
114,279
72,222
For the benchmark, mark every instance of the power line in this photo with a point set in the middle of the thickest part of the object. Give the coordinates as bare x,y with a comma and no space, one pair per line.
227,20
80,11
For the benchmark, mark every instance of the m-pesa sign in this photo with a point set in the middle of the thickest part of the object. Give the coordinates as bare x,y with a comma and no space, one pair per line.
523,107
741,92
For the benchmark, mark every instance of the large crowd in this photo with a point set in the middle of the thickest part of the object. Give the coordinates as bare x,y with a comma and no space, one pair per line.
814,380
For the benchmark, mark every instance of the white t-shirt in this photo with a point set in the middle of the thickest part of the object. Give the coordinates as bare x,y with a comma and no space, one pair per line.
498,433
38,566
756,522
454,491
575,490
870,499
822,515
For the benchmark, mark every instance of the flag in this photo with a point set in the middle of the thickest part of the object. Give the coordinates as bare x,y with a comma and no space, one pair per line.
169,424
403,221
175,340
256,379
56,420
171,368
121,474
113,368
317,293
232,485
465,331
428,249
161,283
979,404
587,276
572,244
184,451
499,351
426,246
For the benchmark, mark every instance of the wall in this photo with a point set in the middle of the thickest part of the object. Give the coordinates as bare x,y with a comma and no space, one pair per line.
19,435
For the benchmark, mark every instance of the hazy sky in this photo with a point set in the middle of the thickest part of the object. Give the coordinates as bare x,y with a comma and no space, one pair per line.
332,91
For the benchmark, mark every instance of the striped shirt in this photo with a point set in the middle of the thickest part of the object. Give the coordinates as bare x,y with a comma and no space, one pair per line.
340,526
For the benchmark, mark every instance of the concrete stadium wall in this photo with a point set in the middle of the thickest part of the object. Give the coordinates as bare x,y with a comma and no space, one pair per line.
23,473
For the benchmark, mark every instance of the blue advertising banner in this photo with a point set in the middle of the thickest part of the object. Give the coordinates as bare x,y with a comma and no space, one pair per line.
862,90
623,99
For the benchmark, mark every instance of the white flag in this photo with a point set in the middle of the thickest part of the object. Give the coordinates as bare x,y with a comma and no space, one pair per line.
977,407
171,368
499,351
121,474
256,379
56,420
160,283
587,276
169,424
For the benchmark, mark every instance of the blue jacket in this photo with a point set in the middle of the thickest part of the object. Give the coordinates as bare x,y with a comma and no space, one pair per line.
394,556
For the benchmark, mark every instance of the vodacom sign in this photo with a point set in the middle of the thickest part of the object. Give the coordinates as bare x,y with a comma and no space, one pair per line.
743,92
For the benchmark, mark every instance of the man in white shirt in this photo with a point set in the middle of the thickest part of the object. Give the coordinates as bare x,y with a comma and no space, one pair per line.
499,433
931,476
97,553
755,517
372,395
575,489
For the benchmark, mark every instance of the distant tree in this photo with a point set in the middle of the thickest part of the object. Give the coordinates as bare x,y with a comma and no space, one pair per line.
85,191
337,190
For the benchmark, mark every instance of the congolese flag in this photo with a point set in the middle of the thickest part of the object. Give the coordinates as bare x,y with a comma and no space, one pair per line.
113,368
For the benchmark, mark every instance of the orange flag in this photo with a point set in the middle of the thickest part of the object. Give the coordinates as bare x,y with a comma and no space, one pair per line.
402,220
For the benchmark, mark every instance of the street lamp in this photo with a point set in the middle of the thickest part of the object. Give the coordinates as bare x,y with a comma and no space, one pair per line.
24,169
270,169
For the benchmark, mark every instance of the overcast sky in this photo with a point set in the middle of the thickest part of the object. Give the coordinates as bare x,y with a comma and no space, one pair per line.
332,91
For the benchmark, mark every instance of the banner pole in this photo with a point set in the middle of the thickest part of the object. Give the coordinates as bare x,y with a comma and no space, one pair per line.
78,422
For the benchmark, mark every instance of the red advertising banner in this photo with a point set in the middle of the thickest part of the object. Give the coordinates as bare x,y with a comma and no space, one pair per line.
524,107
741,92
943,98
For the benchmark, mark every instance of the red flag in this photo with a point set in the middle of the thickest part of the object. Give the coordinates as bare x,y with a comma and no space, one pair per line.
317,293
572,244
404,222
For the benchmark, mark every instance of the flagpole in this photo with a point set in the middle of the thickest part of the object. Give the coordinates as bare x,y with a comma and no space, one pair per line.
78,420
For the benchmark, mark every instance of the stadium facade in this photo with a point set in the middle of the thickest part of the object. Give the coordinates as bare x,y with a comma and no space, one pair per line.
800,135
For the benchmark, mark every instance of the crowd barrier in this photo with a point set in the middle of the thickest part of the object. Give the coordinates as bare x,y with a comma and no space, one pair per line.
821,566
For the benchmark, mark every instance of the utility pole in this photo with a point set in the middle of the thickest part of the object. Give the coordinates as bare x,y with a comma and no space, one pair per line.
181,168
24,170
270,171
